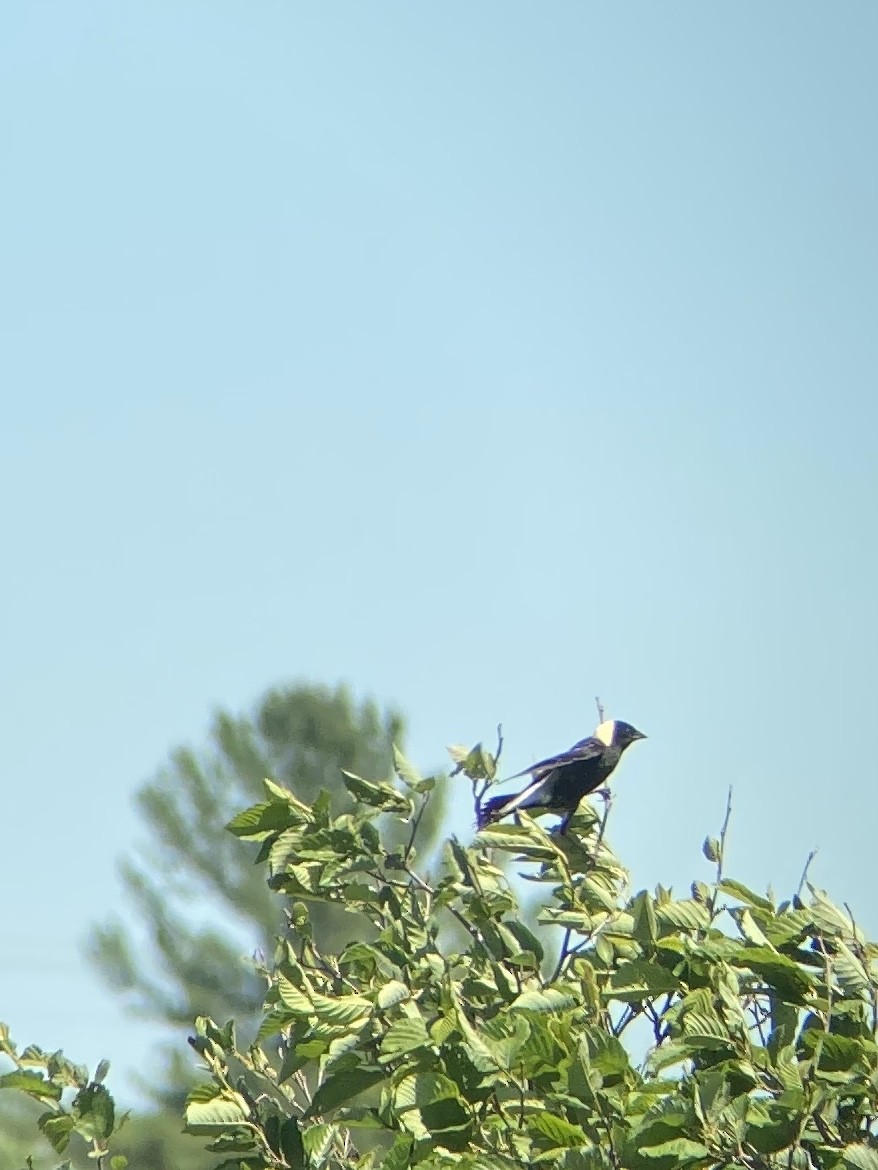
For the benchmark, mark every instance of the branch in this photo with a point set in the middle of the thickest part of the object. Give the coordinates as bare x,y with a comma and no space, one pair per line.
415,826
804,876
722,852
607,797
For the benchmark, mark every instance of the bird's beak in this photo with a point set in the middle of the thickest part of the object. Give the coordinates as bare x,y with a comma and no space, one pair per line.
639,735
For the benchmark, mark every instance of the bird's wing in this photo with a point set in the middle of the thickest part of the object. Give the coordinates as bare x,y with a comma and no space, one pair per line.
516,800
585,749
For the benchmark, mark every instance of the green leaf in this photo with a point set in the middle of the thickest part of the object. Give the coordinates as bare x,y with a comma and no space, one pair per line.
505,1036
293,997
771,1127
380,796
792,983
687,914
838,1053
403,1036
859,1156
711,849
645,927
407,772
681,1149
525,938
447,1122
32,1083
210,1110
419,1090
94,1112
701,892
317,1142
398,1157
749,929
392,993
258,821
851,972
603,1052
550,999
745,894
57,1127
640,979
441,1029
345,1009
476,763
238,1163
561,1133
829,918
343,1087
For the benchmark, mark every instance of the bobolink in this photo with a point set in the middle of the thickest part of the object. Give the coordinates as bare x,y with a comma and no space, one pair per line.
560,782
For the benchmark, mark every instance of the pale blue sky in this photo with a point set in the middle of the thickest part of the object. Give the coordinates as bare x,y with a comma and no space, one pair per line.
489,356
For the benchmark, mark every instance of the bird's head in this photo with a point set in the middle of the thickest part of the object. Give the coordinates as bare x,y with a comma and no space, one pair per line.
617,733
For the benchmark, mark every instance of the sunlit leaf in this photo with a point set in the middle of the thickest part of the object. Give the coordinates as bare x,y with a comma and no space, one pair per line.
32,1083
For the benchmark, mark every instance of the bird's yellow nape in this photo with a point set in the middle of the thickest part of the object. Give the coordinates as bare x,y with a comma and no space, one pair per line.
605,732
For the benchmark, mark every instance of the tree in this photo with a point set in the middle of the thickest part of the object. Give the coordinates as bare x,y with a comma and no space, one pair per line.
718,1029
199,902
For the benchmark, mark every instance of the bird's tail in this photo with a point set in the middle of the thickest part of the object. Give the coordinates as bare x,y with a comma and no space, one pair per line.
490,810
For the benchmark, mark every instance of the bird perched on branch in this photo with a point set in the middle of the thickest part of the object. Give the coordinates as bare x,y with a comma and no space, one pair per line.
559,783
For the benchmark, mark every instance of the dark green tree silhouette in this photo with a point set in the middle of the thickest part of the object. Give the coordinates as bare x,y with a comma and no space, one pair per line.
200,906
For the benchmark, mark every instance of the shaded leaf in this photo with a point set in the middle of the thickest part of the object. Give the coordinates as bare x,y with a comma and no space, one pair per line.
639,979
343,1087
681,1149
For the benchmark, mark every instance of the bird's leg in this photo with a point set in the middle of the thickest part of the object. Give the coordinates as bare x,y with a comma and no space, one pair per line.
562,828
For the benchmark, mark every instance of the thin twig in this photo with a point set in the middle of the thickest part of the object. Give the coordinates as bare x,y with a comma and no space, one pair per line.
428,889
722,836
607,797
563,955
600,707
804,876
481,790
855,940
827,964
860,952
614,1156
722,852
416,825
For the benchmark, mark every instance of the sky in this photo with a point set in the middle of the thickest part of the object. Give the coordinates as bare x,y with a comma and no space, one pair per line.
488,357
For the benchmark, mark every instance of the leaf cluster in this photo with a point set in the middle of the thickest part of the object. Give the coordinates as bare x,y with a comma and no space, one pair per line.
717,1029
75,1103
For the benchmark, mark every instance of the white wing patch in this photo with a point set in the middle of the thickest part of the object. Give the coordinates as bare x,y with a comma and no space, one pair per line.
519,798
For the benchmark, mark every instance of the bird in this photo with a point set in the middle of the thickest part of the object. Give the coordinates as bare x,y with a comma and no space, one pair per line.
559,782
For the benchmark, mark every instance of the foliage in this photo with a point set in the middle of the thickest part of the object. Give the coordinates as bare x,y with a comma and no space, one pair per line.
718,1029
199,904
76,1107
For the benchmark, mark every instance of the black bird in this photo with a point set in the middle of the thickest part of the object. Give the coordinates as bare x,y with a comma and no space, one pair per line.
560,782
